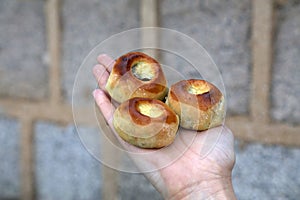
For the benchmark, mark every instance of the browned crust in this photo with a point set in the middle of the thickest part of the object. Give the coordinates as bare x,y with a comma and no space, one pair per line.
124,64
144,131
179,92
123,84
136,116
168,117
162,139
153,88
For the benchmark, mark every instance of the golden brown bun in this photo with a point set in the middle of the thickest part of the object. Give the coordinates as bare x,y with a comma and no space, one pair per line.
146,123
136,74
198,103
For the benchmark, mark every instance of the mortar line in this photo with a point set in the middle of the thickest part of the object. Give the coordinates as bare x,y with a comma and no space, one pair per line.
275,134
27,150
52,12
262,23
27,159
149,17
239,124
236,122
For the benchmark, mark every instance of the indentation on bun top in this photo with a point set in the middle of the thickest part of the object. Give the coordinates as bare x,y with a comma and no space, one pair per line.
145,110
143,71
198,93
136,61
149,109
136,74
198,87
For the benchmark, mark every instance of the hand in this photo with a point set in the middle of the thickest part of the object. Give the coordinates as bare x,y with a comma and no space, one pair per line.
198,173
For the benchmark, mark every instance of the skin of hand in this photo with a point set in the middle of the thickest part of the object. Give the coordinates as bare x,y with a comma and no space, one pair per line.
192,175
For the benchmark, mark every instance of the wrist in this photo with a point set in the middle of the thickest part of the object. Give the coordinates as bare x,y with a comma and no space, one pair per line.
213,189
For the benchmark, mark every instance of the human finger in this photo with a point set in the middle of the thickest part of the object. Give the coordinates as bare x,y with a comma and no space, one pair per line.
107,109
105,105
106,61
101,75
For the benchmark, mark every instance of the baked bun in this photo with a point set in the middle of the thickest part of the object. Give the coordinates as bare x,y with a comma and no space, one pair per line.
146,123
136,74
198,103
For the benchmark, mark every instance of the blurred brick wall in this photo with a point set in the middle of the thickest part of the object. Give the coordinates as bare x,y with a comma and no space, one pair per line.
63,168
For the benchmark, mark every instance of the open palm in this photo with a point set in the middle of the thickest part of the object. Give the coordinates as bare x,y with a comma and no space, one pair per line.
196,165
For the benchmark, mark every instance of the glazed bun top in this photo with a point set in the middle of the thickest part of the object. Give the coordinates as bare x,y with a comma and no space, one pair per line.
136,74
131,60
146,123
198,93
144,111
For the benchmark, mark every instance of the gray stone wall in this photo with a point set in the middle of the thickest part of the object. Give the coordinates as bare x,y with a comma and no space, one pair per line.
222,28
86,24
286,70
266,172
64,169
136,186
9,154
23,71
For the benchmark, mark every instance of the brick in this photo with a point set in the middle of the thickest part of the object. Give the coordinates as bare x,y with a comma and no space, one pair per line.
177,6
9,154
286,71
266,172
135,185
64,168
23,73
222,28
83,30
